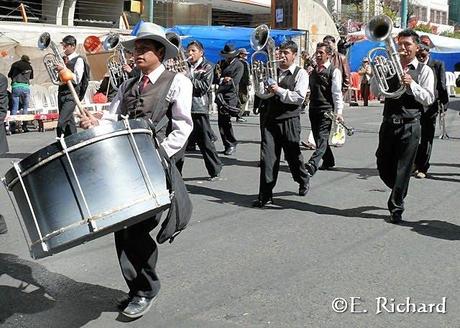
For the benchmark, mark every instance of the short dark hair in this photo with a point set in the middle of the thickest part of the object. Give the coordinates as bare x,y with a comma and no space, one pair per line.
70,40
328,38
291,45
409,32
196,43
328,47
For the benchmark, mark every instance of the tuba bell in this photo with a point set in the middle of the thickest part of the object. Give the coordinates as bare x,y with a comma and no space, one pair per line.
51,60
264,62
178,64
116,61
385,62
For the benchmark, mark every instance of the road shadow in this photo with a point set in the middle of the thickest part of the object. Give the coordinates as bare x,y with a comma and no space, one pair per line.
47,299
245,200
443,177
15,155
434,228
363,172
446,164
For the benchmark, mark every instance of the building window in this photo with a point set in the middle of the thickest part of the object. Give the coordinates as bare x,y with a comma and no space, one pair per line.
423,14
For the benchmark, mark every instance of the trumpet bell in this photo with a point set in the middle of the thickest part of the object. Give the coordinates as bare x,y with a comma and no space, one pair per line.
44,41
174,38
379,28
111,42
259,37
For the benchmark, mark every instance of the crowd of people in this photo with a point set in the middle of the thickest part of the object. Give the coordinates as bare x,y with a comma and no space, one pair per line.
181,99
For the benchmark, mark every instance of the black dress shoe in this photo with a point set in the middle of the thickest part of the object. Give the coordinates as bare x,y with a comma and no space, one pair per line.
229,150
137,307
325,167
310,169
395,218
303,191
262,203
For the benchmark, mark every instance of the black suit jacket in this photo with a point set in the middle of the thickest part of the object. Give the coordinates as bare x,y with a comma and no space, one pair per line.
229,90
439,71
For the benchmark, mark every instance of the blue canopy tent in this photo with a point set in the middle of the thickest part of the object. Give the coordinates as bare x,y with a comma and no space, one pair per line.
214,38
360,49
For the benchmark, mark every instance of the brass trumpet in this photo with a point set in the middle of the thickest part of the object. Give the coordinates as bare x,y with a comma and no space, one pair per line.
332,116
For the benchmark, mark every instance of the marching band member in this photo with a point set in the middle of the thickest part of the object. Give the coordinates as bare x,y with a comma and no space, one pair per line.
399,133
232,72
201,75
325,95
158,93
281,126
66,102
428,118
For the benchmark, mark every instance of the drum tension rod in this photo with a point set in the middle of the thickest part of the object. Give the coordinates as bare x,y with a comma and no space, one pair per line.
91,223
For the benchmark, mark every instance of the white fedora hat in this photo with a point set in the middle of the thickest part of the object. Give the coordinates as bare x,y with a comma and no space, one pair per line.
151,31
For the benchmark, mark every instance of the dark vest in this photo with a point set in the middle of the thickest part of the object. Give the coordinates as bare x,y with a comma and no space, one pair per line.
405,106
278,110
70,65
152,104
321,90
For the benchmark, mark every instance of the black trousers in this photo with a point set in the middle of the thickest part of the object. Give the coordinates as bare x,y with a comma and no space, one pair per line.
321,129
66,123
365,91
137,254
428,127
202,133
226,130
277,135
395,156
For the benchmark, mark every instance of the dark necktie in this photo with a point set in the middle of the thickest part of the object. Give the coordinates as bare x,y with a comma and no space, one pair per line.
143,83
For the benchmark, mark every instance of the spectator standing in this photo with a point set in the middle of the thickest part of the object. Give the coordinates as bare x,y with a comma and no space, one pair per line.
365,73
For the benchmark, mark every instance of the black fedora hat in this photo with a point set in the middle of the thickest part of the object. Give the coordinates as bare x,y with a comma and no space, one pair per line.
229,51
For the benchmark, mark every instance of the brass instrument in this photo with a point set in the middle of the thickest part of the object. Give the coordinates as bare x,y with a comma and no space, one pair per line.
387,65
116,61
332,116
264,62
178,64
51,61
442,121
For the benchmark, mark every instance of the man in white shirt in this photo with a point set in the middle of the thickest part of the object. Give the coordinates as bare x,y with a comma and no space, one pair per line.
325,96
280,126
157,94
399,133
66,102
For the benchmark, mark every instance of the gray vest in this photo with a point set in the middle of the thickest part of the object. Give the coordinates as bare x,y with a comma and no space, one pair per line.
152,104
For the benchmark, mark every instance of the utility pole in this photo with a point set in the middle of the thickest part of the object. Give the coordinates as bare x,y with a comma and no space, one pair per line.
404,13
151,11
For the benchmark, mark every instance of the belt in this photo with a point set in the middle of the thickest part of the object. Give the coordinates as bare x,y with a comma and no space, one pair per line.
400,120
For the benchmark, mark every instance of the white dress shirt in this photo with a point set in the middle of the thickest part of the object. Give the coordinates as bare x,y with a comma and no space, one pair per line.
336,88
79,68
296,96
179,95
423,91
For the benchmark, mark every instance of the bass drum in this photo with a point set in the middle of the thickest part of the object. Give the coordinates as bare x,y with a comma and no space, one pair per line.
87,185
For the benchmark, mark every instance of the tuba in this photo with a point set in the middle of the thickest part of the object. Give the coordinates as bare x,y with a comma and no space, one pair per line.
264,61
51,60
116,61
178,64
387,64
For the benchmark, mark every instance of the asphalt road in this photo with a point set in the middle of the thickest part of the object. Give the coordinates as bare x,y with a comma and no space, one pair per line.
286,266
